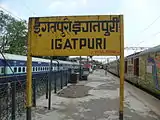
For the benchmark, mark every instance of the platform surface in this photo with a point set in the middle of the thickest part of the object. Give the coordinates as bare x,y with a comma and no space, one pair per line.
98,99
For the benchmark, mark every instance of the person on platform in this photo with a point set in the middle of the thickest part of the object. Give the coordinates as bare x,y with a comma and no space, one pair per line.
106,68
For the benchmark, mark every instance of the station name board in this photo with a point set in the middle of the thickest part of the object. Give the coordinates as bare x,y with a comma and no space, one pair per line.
75,35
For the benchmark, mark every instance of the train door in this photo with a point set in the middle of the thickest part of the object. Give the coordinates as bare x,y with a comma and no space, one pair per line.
136,66
126,66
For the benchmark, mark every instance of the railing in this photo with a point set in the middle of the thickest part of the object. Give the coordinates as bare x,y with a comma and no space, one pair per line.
13,93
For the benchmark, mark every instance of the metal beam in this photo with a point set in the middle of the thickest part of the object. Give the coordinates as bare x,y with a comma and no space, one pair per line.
136,48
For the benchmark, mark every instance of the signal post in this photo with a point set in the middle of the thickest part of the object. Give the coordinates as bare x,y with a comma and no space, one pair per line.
94,35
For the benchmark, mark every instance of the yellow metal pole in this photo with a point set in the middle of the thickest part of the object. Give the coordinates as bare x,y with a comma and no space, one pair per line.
121,68
29,76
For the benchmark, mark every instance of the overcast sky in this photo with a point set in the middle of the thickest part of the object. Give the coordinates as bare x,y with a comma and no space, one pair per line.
138,15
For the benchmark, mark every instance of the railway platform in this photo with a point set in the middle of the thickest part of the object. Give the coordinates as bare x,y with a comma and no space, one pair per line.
97,99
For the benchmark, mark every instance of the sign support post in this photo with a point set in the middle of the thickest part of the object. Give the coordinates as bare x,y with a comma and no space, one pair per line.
80,68
50,80
29,77
121,69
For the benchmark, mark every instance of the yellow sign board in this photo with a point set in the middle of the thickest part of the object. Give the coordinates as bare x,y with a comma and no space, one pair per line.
75,35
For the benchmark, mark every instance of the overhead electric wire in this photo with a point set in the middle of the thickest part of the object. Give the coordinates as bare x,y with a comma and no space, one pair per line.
30,9
11,13
150,25
10,67
3,45
147,29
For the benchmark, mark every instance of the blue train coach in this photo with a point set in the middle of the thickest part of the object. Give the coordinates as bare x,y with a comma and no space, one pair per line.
13,66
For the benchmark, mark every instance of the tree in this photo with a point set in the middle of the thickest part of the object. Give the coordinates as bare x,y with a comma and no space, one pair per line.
13,34
17,37
4,21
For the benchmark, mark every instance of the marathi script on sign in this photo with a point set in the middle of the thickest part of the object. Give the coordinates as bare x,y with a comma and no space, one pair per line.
76,27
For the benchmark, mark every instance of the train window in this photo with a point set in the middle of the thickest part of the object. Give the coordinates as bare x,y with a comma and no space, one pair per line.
2,70
33,68
136,66
15,69
23,69
125,67
38,68
132,60
19,69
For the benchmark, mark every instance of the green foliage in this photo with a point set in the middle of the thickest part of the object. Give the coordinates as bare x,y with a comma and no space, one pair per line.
13,34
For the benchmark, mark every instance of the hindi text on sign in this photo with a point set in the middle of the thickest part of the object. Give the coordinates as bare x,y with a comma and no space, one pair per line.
78,26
